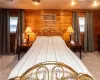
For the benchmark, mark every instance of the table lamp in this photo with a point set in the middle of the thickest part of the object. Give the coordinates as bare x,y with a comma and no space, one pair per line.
70,31
28,31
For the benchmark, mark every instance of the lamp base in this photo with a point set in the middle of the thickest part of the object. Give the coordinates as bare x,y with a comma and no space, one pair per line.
72,42
28,40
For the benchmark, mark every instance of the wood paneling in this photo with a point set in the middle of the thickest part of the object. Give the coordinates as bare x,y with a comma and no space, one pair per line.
33,18
96,23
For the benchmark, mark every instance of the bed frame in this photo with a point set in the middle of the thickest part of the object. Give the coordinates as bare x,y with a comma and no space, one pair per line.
52,70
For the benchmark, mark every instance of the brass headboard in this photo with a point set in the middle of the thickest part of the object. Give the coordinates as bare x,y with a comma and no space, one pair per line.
49,32
52,71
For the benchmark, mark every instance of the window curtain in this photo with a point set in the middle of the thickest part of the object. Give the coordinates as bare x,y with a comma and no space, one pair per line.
88,35
4,31
75,25
20,29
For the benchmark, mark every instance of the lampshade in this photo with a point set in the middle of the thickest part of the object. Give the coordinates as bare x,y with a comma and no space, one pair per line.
70,29
28,30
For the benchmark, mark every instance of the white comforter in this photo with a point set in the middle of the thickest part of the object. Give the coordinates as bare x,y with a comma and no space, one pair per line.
48,49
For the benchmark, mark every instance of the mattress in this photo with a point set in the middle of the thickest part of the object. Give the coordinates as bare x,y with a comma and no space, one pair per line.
51,48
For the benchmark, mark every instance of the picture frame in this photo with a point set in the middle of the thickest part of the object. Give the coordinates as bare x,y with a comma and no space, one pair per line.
49,17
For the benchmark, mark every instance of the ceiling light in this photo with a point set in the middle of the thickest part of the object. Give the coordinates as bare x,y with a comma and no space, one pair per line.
73,3
36,2
95,3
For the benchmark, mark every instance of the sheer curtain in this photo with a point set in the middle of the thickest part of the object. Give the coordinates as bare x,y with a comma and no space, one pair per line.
88,35
20,29
4,31
75,25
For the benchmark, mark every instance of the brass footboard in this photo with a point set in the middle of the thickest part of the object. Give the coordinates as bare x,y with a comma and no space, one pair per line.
52,71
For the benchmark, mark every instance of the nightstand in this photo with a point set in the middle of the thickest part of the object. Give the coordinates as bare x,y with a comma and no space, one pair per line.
75,46
23,48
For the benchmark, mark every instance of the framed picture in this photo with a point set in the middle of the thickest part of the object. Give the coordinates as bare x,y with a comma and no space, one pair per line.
49,17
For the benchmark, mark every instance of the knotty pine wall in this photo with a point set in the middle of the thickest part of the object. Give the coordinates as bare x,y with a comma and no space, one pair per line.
33,18
96,23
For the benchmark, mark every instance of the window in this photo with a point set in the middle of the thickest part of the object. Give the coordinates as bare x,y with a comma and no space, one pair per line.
13,24
82,23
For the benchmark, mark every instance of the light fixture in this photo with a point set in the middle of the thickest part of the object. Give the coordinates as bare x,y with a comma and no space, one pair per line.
36,2
95,3
28,31
70,31
72,3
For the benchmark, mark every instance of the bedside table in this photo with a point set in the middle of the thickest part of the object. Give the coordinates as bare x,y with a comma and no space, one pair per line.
75,46
23,48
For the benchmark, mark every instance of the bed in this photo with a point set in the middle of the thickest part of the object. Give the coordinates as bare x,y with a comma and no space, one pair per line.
49,50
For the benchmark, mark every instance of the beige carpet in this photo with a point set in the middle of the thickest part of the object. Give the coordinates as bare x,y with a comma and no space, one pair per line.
91,61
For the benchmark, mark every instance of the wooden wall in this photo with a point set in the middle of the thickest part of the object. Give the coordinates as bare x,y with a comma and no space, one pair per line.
96,22
33,18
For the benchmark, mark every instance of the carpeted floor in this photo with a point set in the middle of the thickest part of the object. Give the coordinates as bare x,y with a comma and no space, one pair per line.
91,61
